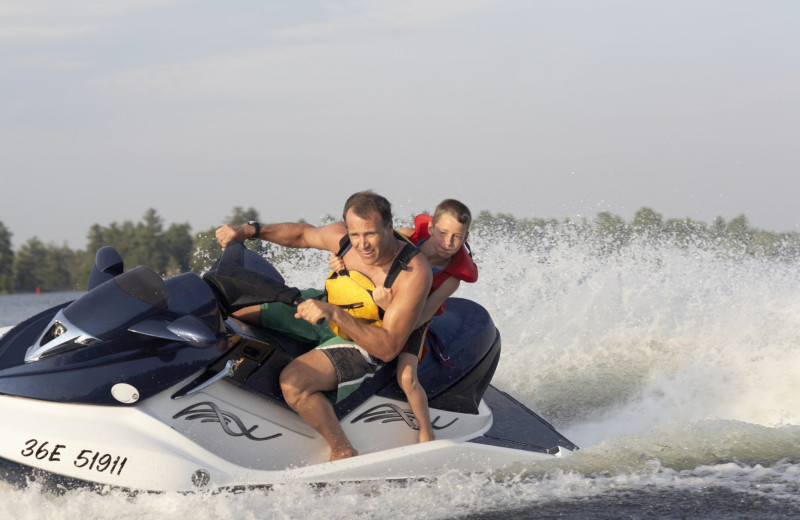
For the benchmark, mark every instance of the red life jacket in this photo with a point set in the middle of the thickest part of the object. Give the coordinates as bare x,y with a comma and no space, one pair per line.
461,264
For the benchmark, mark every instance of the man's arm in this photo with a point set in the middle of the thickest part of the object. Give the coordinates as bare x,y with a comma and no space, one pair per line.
407,231
289,234
385,342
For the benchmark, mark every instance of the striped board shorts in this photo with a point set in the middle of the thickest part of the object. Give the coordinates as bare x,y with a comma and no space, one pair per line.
352,363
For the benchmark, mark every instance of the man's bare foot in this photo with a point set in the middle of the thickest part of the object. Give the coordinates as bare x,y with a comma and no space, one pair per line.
426,437
343,453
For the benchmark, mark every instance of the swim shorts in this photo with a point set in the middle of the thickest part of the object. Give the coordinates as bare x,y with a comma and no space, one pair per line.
416,340
352,363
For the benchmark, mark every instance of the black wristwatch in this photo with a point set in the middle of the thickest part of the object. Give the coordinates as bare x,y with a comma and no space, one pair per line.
256,225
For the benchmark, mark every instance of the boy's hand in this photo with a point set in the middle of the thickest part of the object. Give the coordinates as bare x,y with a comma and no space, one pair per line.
337,264
382,297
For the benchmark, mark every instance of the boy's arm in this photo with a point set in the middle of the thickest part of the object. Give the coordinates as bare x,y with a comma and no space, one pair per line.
438,297
383,297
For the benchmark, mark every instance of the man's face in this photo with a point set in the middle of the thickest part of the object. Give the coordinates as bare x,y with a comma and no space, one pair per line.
370,237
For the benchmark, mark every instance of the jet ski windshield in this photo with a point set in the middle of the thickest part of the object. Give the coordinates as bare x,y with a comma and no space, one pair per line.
115,303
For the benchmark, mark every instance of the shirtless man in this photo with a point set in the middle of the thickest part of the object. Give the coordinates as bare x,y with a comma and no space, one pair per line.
360,348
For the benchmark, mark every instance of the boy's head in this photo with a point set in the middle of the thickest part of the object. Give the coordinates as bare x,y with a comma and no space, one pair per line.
456,209
449,227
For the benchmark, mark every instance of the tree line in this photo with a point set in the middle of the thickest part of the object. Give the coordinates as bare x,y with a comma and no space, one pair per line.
167,250
609,233
174,249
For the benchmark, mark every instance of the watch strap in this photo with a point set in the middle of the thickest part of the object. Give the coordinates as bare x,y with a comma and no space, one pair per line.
257,226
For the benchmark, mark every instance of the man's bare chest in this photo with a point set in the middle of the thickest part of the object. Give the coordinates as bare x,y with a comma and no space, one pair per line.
376,274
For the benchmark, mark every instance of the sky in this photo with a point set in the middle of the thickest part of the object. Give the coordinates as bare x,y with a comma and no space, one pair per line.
537,108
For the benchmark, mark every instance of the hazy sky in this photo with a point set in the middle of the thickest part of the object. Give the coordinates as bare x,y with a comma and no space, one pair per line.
537,108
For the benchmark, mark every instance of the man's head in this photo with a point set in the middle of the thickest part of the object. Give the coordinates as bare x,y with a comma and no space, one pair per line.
365,202
368,217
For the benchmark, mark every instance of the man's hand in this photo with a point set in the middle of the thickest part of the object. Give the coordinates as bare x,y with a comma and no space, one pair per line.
227,234
313,311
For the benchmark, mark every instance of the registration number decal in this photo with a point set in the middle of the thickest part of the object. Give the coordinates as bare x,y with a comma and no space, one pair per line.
90,460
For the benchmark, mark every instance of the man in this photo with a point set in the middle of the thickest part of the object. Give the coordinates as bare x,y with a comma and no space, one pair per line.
361,347
441,238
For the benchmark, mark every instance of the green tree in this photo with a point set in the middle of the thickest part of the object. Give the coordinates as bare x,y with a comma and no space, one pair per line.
718,228
612,231
55,272
46,267
205,249
95,239
647,223
144,243
178,245
685,231
26,265
240,215
482,222
738,228
6,261
485,222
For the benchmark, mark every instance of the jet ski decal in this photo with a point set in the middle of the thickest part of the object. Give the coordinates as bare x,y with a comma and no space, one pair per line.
210,412
388,412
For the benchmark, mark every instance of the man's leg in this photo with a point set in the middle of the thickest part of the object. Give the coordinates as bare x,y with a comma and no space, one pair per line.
250,314
302,383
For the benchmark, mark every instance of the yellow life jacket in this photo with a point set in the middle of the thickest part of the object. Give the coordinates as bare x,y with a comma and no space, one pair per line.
352,290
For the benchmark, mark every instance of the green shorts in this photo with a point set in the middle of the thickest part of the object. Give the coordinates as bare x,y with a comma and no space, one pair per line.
352,363
280,317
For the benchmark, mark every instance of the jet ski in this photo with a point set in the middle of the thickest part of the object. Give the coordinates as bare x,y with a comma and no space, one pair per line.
151,384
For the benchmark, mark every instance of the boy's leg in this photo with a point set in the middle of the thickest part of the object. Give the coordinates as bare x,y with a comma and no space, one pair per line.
415,394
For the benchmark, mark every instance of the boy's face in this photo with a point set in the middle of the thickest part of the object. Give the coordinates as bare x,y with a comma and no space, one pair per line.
448,235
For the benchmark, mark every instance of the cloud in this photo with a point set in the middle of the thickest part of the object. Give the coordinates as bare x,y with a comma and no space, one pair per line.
48,20
224,76
377,17
43,32
291,62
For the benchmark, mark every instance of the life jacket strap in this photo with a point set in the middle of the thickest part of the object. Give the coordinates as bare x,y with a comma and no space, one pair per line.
400,263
